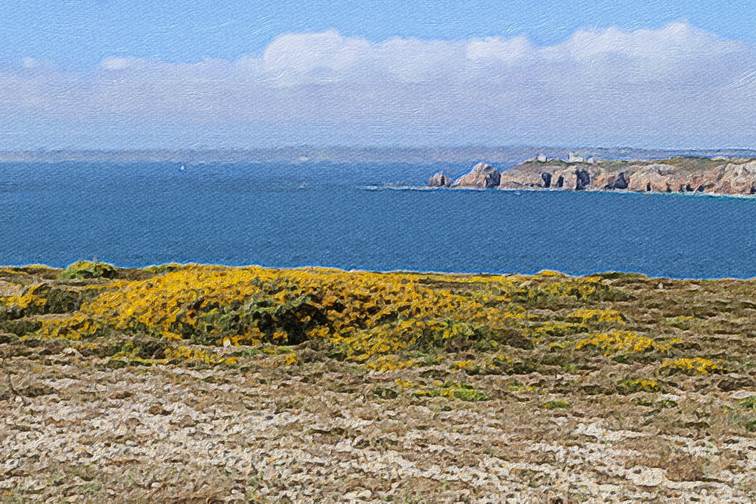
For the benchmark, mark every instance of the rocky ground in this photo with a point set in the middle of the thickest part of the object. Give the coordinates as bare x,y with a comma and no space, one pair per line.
78,425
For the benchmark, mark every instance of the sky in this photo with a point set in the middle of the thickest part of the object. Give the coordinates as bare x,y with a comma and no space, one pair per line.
191,74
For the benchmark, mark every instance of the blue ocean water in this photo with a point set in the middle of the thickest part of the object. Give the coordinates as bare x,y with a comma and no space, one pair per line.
358,217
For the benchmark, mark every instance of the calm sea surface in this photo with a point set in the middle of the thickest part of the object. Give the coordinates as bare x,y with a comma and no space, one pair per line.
357,216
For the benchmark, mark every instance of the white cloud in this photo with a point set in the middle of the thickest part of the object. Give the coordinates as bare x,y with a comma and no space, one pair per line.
676,83
302,58
117,63
496,48
328,57
29,62
676,40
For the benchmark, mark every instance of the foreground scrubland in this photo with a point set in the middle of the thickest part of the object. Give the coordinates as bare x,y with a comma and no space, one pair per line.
203,383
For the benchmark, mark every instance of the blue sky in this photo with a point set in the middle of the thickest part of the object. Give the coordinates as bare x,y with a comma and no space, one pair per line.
246,73
77,33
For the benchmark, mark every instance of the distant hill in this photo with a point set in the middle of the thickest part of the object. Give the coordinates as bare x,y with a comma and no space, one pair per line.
505,155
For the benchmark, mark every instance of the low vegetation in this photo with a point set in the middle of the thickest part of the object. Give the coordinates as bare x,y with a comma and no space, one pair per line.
668,356
387,321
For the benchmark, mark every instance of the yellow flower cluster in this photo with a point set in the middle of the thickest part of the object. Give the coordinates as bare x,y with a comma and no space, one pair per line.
690,365
361,314
558,328
190,355
74,327
639,385
585,288
601,316
29,300
387,363
624,342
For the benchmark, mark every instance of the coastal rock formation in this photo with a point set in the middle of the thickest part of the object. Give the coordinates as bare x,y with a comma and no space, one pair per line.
703,175
654,178
546,177
582,179
561,178
737,179
482,176
440,179
617,182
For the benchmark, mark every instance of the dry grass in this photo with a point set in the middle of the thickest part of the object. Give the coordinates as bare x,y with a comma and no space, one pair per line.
533,388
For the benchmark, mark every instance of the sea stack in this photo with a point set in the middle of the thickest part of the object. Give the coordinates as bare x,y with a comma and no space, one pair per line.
440,179
482,176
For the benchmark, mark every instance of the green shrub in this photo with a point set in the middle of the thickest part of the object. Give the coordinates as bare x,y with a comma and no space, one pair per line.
452,390
748,403
159,269
88,269
62,300
638,385
20,327
556,404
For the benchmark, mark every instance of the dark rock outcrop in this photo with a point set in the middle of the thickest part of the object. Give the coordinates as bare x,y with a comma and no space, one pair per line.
582,180
619,182
546,176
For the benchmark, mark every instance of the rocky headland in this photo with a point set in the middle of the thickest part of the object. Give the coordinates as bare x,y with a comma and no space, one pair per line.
683,175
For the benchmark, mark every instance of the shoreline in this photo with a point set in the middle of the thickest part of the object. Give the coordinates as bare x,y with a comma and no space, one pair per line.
559,191
607,274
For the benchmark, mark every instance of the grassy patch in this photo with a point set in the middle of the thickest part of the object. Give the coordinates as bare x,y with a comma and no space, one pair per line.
453,390
87,270
749,403
556,404
638,385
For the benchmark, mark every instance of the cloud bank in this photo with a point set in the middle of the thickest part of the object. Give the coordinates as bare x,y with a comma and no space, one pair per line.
672,86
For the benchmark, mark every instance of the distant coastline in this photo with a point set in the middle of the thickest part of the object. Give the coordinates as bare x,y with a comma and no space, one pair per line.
714,176
455,155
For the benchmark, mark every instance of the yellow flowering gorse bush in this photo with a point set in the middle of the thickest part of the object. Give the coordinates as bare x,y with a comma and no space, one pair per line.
690,365
29,300
603,316
624,342
361,314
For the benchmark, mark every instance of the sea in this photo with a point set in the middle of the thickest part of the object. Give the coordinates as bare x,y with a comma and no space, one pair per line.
364,216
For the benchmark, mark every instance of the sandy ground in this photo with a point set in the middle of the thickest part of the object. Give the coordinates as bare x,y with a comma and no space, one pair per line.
73,429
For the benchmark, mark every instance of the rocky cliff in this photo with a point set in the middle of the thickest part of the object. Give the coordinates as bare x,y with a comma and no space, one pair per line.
703,175
482,176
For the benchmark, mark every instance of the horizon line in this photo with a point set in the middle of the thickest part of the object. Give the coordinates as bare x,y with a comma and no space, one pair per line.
207,148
